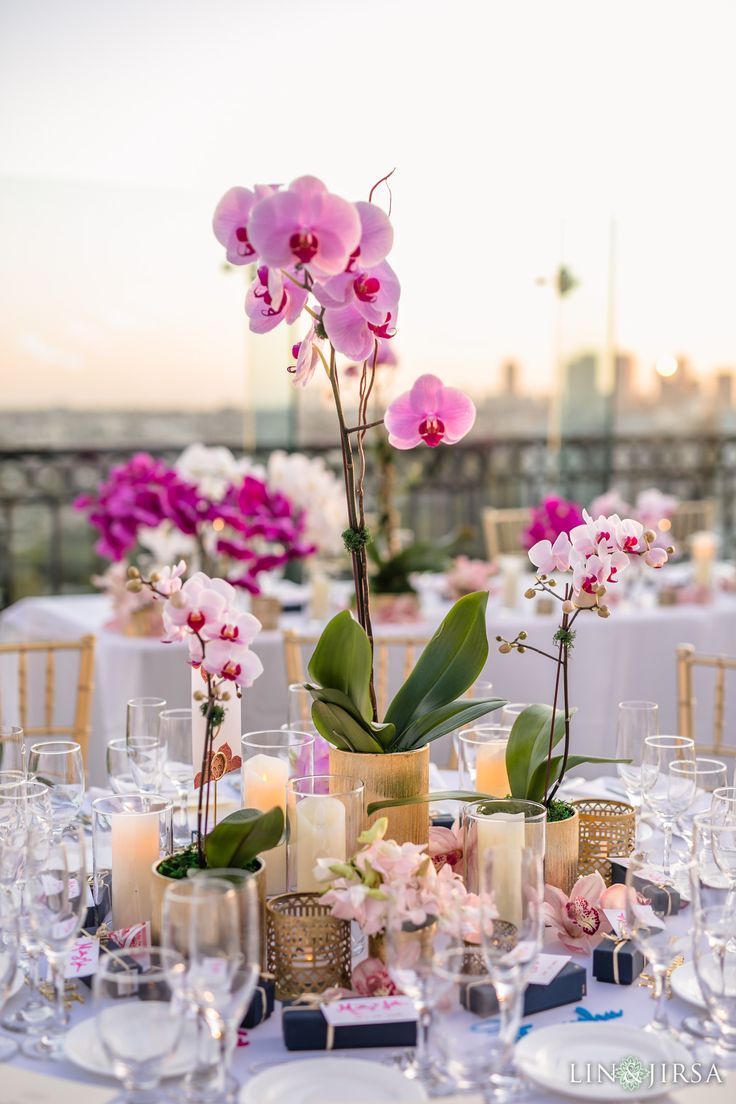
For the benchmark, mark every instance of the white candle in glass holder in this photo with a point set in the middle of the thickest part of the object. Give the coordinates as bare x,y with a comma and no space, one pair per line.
491,776
502,834
264,788
135,847
703,553
320,833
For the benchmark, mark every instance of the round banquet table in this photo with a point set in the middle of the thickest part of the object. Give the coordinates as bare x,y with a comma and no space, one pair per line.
629,656
263,1047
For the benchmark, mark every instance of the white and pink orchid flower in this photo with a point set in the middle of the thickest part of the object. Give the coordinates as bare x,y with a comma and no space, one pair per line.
199,604
578,921
590,572
548,557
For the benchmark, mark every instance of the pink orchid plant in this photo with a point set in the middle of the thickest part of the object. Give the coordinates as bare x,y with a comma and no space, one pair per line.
552,518
578,920
318,255
595,554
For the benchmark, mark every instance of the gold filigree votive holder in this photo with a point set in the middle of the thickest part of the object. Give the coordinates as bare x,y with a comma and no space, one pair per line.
309,950
606,828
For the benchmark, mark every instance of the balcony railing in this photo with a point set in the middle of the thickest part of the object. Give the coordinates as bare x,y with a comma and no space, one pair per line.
47,547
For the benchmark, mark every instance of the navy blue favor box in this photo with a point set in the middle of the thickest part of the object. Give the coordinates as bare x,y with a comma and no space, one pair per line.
617,961
664,899
569,985
262,1002
305,1028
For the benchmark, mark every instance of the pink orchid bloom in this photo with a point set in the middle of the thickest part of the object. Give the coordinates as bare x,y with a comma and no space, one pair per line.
391,859
306,225
230,222
354,903
359,306
201,602
234,627
372,979
430,412
272,299
307,357
548,557
596,536
655,557
592,571
446,846
652,506
232,661
577,921
376,237
169,579
629,535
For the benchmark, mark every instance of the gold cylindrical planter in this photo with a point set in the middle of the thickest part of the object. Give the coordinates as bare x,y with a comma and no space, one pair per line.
309,950
606,828
160,883
561,852
402,774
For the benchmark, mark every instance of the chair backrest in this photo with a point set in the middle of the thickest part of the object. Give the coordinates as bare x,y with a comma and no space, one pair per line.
687,659
691,517
504,529
28,672
387,652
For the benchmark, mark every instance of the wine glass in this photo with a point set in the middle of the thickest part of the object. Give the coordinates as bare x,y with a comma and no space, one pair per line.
634,722
57,900
722,829
411,952
510,712
644,925
9,952
714,956
214,927
59,765
143,737
140,1017
119,770
666,794
511,922
176,736
12,748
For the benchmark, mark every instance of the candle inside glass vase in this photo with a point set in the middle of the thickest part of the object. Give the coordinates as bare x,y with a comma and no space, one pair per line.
482,759
325,815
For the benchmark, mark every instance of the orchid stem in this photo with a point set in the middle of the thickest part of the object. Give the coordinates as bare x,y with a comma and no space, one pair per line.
363,428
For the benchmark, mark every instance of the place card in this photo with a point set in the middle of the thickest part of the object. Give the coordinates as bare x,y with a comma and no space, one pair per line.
547,967
83,958
368,1010
645,913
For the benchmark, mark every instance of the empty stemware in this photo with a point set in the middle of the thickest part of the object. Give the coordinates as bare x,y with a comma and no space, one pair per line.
667,795
59,765
176,737
12,748
635,721
119,771
145,748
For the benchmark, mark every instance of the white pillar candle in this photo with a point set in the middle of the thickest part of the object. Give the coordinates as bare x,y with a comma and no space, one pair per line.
319,834
319,603
135,847
502,836
491,776
264,788
510,575
703,553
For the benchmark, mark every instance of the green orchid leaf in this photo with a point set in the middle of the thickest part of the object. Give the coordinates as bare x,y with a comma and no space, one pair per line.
450,663
445,719
537,780
242,836
339,728
530,734
423,799
342,660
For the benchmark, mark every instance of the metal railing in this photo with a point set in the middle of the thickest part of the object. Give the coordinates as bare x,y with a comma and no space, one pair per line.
47,547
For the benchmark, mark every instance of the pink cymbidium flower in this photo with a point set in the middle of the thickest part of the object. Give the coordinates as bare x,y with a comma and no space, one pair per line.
305,225
446,846
430,412
272,299
372,979
359,306
577,921
230,222
548,557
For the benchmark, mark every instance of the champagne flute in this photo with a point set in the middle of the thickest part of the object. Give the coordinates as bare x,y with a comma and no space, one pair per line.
215,927
119,770
9,952
666,794
12,748
634,722
59,765
143,737
176,737
714,956
57,900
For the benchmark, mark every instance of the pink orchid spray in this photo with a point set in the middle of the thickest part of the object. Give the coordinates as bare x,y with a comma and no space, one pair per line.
578,921
319,254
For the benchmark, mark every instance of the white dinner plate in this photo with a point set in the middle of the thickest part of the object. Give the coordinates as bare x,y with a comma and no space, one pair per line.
325,1081
557,1058
82,1046
685,985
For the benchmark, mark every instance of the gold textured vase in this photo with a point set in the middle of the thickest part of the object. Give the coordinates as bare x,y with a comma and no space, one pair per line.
606,828
400,774
561,852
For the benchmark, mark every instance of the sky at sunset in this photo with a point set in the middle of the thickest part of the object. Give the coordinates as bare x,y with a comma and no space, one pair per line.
518,131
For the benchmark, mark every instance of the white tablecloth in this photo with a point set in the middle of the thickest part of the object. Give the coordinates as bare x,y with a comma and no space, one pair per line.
629,656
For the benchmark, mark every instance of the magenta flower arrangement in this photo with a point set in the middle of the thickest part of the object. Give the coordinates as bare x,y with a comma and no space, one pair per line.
549,519
251,529
320,257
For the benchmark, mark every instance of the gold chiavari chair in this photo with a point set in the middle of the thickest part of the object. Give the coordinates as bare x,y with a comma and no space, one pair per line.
504,530
388,651
687,659
27,672
690,517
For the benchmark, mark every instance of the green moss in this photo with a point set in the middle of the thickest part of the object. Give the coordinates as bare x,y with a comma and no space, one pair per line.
177,865
559,810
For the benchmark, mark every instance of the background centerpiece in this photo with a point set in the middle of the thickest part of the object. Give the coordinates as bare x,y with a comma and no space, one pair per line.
316,255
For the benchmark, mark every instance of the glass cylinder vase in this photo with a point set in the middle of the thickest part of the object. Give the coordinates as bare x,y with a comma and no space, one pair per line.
130,832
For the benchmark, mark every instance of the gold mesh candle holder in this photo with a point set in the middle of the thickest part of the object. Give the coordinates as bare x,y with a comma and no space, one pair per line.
606,828
309,950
